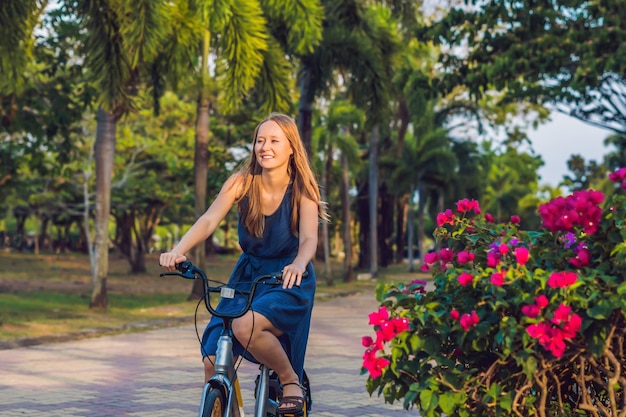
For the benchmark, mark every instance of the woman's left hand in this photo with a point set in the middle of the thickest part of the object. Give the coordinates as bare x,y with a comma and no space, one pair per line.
292,275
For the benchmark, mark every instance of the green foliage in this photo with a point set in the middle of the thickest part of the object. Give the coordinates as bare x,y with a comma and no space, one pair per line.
519,322
567,52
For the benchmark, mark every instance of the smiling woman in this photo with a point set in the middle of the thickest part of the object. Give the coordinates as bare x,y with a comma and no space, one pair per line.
279,207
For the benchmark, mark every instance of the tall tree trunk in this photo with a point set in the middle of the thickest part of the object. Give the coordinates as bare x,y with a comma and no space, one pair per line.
410,226
305,109
401,211
363,215
373,199
401,202
201,162
104,154
421,205
385,226
348,270
325,237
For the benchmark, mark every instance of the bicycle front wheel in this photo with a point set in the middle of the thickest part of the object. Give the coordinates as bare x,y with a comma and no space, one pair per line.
213,403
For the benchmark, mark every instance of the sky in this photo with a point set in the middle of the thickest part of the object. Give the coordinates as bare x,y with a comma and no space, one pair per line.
562,137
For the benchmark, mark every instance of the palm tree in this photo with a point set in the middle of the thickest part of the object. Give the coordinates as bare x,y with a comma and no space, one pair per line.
121,38
244,48
335,135
426,156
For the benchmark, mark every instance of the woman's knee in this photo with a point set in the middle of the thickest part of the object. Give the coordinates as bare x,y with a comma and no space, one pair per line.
245,327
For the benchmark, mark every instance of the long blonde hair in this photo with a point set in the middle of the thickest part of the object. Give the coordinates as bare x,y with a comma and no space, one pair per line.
302,178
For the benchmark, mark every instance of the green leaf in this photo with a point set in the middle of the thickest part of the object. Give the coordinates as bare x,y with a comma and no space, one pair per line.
602,310
448,402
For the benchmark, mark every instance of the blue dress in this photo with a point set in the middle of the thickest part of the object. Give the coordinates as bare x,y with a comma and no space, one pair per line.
289,310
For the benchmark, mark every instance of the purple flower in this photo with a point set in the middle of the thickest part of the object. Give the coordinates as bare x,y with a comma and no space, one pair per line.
569,240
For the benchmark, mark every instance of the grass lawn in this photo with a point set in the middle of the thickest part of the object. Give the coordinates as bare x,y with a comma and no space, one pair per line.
48,295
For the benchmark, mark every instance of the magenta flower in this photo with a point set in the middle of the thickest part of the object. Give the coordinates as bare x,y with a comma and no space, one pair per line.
489,218
454,314
542,301
618,176
503,249
374,364
465,278
379,317
562,279
531,311
515,219
465,205
367,341
561,314
581,259
465,257
521,255
469,320
497,279
447,217
493,259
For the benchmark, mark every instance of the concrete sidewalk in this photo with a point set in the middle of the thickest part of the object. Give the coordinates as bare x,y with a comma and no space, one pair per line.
159,372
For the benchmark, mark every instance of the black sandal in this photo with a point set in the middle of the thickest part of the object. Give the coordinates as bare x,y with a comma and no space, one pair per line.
298,401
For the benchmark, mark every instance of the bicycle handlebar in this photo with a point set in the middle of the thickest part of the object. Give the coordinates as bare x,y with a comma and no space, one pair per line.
188,270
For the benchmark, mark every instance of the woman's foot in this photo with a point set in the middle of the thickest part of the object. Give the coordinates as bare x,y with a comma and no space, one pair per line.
292,400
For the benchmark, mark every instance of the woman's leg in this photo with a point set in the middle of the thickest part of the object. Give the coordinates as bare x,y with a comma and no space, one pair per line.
209,368
257,333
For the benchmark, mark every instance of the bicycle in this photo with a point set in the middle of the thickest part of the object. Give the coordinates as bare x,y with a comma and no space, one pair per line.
221,395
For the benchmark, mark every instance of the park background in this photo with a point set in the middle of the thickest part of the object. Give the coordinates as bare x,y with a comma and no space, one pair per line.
121,119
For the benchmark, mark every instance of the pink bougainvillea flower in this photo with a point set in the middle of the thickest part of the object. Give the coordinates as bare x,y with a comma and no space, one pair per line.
562,279
469,320
541,301
431,257
503,249
446,217
581,209
446,255
521,255
581,259
465,205
493,259
561,314
572,327
465,257
556,344
379,317
421,282
374,364
497,279
531,311
400,324
454,314
367,341
515,219
489,218
386,332
618,176
465,278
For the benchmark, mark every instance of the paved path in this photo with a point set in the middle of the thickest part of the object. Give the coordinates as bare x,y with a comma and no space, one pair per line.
158,373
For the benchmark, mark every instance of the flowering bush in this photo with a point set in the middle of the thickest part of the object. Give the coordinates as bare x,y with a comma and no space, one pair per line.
519,323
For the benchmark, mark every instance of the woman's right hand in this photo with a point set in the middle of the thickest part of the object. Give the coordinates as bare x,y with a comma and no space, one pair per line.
169,260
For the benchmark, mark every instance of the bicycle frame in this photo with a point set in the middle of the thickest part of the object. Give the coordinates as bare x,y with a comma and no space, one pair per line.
225,377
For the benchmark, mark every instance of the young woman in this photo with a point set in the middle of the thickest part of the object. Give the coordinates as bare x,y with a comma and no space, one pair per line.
279,211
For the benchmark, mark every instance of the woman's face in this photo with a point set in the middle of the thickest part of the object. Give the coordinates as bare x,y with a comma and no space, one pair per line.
272,148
